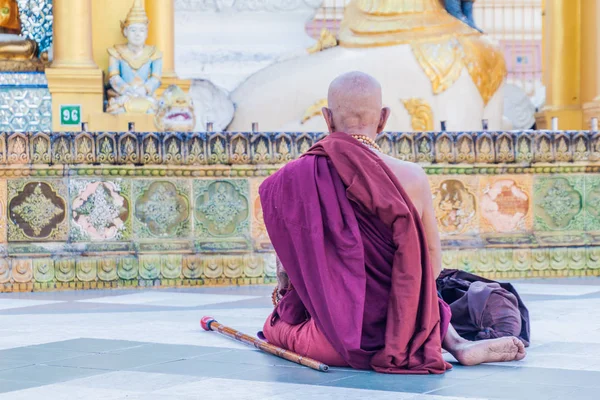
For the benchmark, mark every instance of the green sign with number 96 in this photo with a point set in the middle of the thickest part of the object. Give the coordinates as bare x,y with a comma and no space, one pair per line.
70,115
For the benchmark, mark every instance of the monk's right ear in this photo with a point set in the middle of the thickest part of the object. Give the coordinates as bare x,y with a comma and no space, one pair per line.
328,115
385,114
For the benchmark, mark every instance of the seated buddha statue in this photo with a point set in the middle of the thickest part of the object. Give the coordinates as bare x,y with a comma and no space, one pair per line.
12,45
135,69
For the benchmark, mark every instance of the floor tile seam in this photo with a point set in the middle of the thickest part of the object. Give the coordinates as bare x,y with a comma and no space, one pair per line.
597,356
67,357
51,347
211,354
136,369
325,384
277,392
122,369
528,382
21,381
104,370
20,366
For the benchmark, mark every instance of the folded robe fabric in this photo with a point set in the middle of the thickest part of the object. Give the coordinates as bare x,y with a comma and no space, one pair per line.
310,212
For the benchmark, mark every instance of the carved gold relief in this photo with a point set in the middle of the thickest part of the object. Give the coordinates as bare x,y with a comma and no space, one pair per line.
485,64
485,148
192,267
369,23
466,151
40,151
17,149
455,206
22,271
504,151
444,59
326,40
313,111
253,266
421,114
85,151
441,60
563,148
405,148
444,149
4,271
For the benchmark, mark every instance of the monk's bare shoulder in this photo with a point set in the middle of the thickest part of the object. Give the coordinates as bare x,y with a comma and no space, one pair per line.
412,177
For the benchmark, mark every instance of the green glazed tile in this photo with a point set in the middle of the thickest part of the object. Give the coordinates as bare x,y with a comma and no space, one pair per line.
37,210
558,203
221,214
161,208
592,203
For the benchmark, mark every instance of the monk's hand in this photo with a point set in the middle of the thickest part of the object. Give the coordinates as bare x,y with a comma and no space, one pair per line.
283,281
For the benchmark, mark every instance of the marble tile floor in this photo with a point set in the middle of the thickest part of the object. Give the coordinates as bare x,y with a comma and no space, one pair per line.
147,344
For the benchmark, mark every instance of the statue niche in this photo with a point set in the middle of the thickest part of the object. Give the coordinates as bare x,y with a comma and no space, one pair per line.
135,69
16,52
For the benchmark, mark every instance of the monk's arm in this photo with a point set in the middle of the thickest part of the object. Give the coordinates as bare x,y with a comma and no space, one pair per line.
431,228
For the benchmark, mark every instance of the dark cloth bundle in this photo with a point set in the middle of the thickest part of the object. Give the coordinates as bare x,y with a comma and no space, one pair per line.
482,308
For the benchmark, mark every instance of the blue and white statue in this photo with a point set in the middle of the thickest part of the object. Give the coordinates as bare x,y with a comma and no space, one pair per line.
134,70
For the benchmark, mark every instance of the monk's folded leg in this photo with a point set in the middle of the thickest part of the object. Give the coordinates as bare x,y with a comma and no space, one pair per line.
304,339
485,351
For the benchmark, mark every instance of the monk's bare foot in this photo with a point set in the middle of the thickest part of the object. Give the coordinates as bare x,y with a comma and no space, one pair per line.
488,351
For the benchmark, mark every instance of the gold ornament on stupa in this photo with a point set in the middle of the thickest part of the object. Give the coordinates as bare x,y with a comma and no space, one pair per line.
369,23
442,44
137,15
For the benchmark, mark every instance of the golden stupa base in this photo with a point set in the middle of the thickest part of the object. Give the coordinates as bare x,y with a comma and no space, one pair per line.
569,118
33,65
590,110
104,122
170,79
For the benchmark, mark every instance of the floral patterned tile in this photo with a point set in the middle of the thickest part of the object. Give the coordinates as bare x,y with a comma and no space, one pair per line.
506,204
161,208
456,205
37,210
222,214
3,211
592,203
558,203
260,236
100,210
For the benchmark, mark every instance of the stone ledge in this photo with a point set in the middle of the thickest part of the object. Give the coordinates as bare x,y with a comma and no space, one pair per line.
478,149
43,274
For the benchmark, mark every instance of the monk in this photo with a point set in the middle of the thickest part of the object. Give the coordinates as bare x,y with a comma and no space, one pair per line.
359,251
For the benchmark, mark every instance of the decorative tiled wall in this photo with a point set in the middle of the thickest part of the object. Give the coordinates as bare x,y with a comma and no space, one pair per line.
102,210
25,102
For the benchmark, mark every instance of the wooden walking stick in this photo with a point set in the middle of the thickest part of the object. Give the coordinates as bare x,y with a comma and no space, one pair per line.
210,324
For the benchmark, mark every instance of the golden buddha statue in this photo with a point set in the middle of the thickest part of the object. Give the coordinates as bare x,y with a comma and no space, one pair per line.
135,69
421,54
12,46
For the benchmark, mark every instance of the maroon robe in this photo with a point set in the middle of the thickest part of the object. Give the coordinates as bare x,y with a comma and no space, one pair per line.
354,249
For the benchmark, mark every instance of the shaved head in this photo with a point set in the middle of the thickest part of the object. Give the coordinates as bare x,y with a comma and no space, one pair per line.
355,105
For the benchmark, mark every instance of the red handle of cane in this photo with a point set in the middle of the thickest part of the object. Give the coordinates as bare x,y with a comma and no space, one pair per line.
210,324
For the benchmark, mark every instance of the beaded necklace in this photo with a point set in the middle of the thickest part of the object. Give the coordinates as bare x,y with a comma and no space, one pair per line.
367,141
